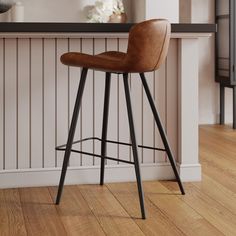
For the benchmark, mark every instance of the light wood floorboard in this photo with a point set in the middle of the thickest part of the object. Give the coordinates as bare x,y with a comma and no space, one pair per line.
11,215
208,208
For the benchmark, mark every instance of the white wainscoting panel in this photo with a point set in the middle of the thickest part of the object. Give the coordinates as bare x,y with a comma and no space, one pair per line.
37,95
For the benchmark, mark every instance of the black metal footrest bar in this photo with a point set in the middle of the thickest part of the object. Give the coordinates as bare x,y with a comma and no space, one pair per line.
110,141
96,155
62,148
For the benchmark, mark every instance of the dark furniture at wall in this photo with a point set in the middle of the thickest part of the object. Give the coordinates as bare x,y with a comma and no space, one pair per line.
226,53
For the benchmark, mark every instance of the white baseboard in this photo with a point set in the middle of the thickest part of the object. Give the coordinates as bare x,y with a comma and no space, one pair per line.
211,119
208,119
90,175
82,175
190,173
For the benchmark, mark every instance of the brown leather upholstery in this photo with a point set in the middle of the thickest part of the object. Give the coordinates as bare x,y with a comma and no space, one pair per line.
147,49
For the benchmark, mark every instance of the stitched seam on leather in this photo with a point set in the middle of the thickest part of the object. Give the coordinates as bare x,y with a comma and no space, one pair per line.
161,50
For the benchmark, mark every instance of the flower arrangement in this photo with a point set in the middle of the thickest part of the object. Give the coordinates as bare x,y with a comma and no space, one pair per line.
103,9
5,5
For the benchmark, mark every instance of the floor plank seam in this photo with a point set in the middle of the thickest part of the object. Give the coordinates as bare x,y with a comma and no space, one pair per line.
56,208
207,194
165,215
24,217
198,213
124,208
97,219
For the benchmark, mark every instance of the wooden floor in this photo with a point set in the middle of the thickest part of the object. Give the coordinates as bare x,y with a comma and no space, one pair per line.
208,208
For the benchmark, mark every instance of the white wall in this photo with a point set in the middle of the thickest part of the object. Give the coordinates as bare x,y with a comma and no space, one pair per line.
168,9
185,12
202,11
149,9
59,10
76,10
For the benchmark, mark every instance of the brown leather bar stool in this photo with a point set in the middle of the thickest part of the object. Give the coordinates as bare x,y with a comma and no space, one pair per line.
147,49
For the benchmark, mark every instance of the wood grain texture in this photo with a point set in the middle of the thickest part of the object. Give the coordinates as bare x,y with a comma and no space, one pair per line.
207,207
156,223
218,151
180,213
11,215
109,213
75,213
217,191
41,217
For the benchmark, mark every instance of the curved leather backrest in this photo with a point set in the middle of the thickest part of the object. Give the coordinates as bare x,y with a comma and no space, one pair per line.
148,45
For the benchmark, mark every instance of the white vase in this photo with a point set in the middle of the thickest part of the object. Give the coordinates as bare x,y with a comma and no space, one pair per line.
17,12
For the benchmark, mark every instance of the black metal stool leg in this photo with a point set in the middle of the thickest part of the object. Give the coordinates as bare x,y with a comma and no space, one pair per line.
104,125
162,132
134,144
222,104
71,133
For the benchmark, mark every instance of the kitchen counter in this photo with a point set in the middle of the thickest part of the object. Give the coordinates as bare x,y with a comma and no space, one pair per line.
38,93
37,27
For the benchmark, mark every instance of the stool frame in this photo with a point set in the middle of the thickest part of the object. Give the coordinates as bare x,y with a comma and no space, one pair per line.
67,148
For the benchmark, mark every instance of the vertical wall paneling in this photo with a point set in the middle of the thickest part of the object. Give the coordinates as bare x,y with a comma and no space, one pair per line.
23,103
87,107
2,126
49,102
160,102
10,104
172,96
74,78
37,96
37,152
112,133
99,88
137,105
62,98
148,120
124,151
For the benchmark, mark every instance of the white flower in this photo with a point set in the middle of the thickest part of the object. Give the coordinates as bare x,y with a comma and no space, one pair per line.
103,9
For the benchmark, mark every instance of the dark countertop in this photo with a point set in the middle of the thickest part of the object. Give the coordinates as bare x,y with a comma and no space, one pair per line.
46,27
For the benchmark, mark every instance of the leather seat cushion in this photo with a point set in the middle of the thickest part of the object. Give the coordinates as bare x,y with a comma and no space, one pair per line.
108,61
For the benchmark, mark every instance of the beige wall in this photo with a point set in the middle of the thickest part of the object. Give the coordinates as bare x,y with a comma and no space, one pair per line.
185,11
59,10
149,9
202,11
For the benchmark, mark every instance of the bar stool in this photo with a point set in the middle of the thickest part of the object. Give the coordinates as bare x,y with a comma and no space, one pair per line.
147,49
